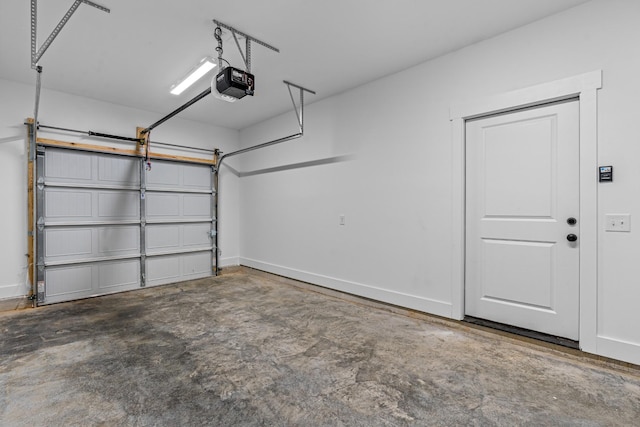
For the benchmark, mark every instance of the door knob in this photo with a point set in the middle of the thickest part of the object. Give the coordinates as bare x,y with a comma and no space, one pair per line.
572,237
571,221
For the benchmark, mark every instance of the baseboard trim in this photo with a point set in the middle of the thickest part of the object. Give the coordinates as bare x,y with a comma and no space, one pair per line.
12,291
426,305
229,261
618,349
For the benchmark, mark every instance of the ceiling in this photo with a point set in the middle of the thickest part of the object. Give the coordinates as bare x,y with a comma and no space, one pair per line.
134,54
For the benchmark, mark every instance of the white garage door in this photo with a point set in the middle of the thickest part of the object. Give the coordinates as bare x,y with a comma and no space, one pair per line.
99,230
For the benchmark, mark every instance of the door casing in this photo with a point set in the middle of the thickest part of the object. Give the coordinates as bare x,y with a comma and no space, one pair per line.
584,87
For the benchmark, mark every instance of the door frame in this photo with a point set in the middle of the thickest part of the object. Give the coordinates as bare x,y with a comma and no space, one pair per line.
584,87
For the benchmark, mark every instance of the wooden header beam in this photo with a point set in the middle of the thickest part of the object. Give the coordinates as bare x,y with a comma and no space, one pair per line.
121,151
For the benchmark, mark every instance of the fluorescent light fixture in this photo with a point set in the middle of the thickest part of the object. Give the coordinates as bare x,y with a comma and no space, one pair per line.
204,66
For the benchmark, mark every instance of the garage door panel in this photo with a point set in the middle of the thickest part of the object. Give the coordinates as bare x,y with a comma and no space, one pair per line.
118,240
178,267
161,238
162,205
163,174
64,283
163,269
197,205
91,169
118,205
68,166
176,206
84,205
68,243
121,171
197,235
112,275
64,204
196,177
72,244
67,280
196,265
173,175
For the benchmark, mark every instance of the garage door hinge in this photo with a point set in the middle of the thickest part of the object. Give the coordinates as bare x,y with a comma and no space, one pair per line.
40,224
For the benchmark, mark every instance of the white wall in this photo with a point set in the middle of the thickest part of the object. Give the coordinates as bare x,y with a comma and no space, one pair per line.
396,191
63,110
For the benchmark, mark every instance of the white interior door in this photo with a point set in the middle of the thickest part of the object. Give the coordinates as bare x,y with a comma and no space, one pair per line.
522,189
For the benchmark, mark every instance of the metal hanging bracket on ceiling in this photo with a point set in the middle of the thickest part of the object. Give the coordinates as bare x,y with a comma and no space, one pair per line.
300,113
246,55
36,53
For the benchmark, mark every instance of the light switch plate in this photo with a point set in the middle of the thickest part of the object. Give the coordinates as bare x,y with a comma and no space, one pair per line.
617,222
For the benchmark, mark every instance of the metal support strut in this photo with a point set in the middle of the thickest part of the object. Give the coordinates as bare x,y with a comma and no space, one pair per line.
220,158
36,55
36,109
183,107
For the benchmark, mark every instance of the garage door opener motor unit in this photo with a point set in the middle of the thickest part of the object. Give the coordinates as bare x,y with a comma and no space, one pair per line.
235,82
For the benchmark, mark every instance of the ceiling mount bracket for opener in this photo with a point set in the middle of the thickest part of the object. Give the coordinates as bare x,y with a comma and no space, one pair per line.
232,83
36,53
246,55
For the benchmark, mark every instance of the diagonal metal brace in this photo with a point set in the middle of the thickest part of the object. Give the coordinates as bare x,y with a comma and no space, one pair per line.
36,55
247,58
300,113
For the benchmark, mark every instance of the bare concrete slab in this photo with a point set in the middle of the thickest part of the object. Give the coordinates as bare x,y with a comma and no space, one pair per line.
250,349
15,304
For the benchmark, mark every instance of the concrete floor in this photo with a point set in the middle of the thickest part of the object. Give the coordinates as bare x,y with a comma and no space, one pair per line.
250,349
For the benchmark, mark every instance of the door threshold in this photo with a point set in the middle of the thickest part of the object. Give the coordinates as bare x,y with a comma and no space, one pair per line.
565,342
